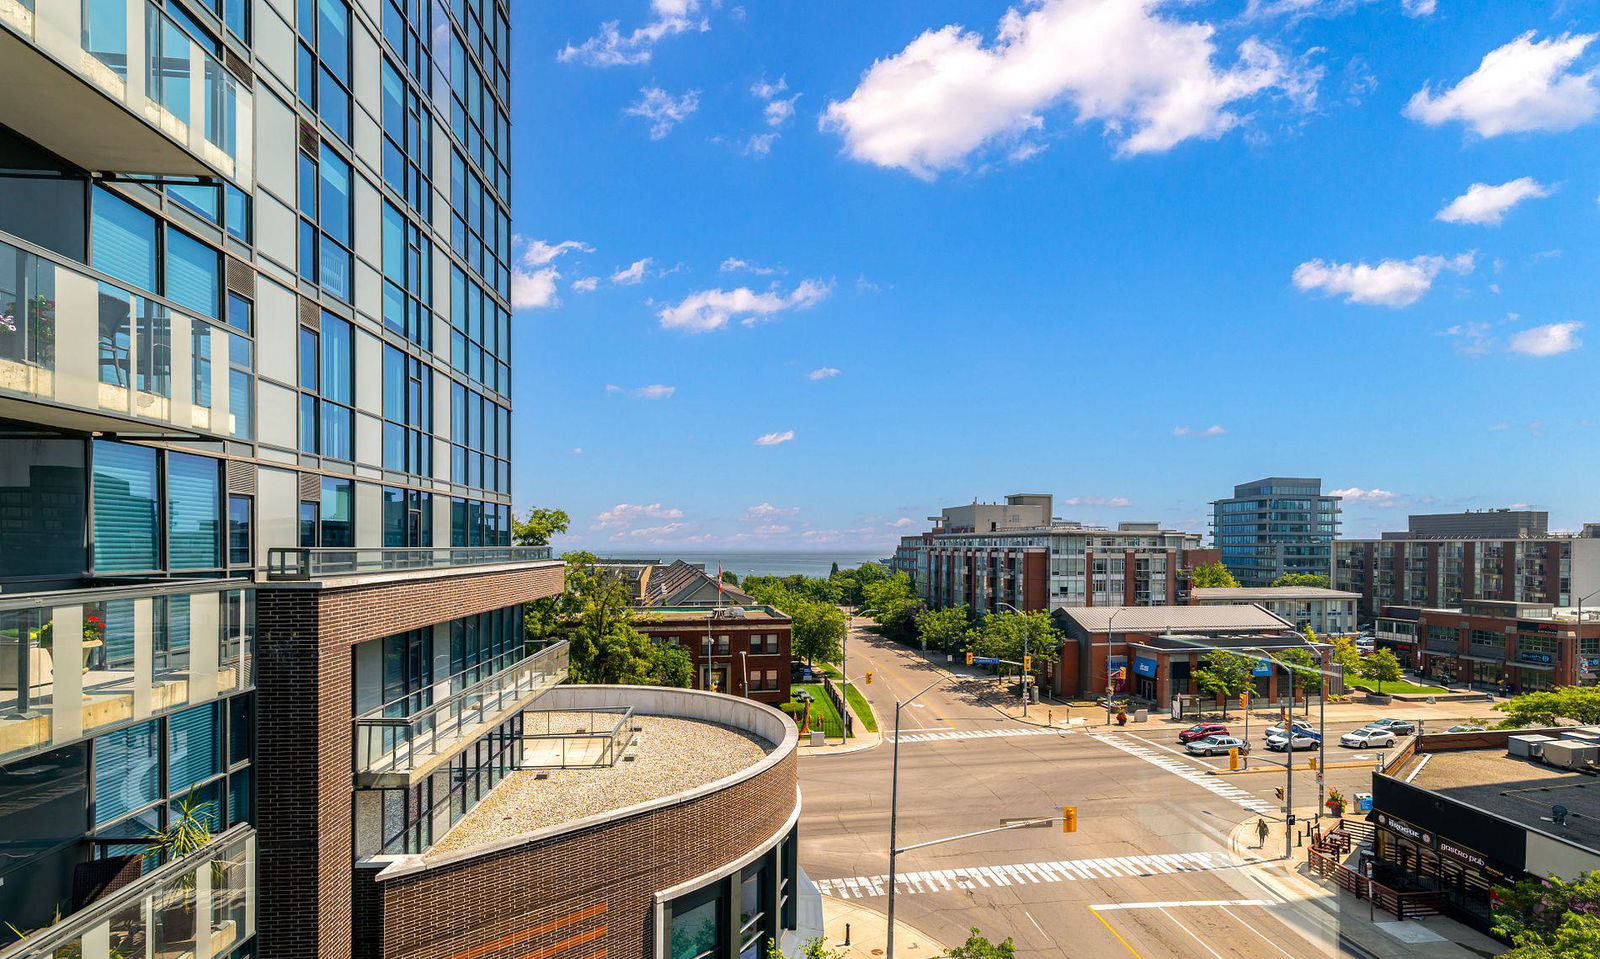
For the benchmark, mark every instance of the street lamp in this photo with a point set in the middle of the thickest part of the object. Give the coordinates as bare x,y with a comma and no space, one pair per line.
894,804
1025,658
744,666
1109,620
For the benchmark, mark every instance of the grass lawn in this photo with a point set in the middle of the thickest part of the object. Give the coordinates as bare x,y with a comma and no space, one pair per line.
823,715
1405,687
858,702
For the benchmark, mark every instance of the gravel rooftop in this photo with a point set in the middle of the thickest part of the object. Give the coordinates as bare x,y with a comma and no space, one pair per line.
672,756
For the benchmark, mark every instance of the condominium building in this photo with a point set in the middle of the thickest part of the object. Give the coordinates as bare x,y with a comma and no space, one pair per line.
1480,557
1276,525
991,556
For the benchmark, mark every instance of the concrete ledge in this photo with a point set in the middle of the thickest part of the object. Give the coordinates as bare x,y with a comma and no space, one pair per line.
1345,764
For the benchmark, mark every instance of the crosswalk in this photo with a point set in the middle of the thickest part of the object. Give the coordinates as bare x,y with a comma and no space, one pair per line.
1022,874
976,734
1182,769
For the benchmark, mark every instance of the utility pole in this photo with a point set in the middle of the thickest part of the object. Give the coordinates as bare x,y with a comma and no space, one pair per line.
1288,792
894,807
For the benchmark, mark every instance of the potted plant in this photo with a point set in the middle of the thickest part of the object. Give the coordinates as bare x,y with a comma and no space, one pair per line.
188,831
1335,803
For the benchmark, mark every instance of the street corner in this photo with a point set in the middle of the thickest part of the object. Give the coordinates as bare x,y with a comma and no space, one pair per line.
861,932
857,744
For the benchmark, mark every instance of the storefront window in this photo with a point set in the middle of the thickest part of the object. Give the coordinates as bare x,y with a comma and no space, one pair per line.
694,924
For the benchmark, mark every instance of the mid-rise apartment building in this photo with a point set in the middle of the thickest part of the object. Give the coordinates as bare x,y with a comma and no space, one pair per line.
1274,526
989,556
1477,560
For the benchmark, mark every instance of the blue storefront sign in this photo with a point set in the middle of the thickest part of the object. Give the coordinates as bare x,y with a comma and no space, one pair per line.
1262,668
1144,666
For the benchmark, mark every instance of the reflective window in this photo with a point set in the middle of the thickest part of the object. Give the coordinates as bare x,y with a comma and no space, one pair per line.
194,274
126,513
194,507
127,771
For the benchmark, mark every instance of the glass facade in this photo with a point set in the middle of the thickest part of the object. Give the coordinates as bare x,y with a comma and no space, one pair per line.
1274,527
735,917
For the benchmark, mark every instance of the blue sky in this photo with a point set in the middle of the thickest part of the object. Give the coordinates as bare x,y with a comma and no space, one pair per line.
796,274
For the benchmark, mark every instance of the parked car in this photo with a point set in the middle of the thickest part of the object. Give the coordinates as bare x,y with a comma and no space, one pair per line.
1465,728
1299,725
1366,737
1302,740
1400,727
1201,731
1217,745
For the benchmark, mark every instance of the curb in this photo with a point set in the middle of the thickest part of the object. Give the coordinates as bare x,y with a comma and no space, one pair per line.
1348,764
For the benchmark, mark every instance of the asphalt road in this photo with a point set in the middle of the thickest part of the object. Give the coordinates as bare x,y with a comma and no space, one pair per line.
1148,873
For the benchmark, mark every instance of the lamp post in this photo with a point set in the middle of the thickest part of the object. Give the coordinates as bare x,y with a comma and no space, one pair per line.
1025,658
1577,642
1109,689
744,667
894,805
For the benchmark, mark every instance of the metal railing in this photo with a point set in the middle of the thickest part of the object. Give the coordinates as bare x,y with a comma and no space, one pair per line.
297,562
391,745
592,741
202,905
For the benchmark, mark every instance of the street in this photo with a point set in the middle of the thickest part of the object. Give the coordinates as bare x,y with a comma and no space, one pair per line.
1148,873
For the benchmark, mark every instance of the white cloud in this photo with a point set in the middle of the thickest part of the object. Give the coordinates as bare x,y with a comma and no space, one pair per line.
650,532
586,284
632,273
759,144
1150,81
901,523
1393,283
734,263
626,514
611,48
778,112
655,391
770,529
662,110
575,451
1547,340
1523,86
1374,496
1208,431
1488,205
534,289
1116,501
762,512
537,253
823,373
773,439
706,310
768,91
1419,8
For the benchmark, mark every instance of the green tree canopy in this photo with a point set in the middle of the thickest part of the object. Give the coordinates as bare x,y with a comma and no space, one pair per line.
1347,654
948,629
1302,579
1566,704
979,947
593,615
893,603
1210,575
1006,635
1381,667
1551,919
1225,675
1306,670
729,576
540,524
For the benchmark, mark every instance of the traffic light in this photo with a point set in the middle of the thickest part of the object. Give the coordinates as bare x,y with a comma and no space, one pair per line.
1069,818
1027,664
869,677
1233,759
1244,700
1278,790
969,657
1313,762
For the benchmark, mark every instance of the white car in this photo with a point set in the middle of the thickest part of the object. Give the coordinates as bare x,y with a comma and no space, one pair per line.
1298,725
1367,737
1302,742
1216,745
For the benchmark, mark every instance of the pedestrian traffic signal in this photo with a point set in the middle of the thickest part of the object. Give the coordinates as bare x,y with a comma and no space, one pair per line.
869,677
1313,762
1069,818
1027,664
1278,790
969,657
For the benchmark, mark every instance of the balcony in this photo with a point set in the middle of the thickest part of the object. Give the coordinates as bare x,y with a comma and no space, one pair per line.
297,563
81,353
118,86
75,662
398,743
200,906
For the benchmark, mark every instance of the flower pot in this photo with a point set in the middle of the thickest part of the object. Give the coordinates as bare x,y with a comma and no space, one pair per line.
40,664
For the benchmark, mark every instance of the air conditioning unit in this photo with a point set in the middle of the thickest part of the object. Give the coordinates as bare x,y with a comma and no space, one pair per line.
1529,746
1565,754
1581,736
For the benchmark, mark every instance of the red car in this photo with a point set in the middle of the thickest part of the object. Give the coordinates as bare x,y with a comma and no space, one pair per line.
1201,731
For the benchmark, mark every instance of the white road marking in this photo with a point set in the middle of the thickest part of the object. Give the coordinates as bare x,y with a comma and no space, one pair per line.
1106,906
928,737
1240,920
1036,924
1166,748
1209,783
1025,873
1196,938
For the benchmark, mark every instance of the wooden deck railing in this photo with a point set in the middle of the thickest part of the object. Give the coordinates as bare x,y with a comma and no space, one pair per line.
1325,856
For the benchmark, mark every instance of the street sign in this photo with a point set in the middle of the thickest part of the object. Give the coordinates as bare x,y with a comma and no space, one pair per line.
1262,668
986,660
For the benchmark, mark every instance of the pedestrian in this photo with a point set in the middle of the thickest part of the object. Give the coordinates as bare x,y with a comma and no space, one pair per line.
1261,833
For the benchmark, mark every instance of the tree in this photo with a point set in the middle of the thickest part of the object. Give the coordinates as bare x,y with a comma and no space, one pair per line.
1211,575
816,630
1551,918
541,524
1306,670
1567,704
1006,635
810,949
893,603
978,947
1381,667
1225,675
1302,579
1347,654
594,616
833,570
730,577
948,630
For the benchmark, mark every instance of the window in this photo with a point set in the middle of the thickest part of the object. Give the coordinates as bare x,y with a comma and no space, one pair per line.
126,534
407,150
407,413
325,224
124,241
127,771
323,69
407,517
241,381
194,505
327,373
194,748
407,277
239,531
338,512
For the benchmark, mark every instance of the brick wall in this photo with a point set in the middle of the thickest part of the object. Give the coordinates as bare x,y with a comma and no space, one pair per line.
304,760
583,894
691,635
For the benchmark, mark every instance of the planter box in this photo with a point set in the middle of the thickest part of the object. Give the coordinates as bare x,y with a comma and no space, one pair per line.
40,671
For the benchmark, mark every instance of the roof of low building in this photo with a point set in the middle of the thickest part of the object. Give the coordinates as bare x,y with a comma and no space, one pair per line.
650,615
1521,790
1261,594
1176,619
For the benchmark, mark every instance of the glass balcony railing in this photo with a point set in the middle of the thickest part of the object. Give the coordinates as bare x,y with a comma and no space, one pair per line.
403,736
137,56
68,336
201,906
303,563
77,661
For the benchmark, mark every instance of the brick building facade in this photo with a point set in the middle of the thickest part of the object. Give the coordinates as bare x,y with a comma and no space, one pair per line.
743,651
1496,644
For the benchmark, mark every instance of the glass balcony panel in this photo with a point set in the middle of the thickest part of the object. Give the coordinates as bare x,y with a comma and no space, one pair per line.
76,662
302,563
150,76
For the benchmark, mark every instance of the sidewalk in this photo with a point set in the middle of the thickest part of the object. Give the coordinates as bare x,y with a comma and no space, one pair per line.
861,741
869,931
1373,933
